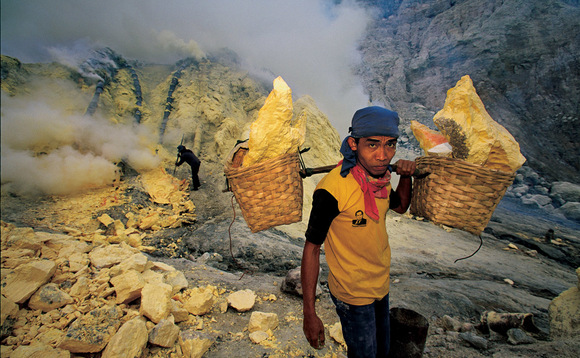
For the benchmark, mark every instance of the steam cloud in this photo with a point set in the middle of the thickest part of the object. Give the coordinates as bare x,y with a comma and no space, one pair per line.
78,152
310,43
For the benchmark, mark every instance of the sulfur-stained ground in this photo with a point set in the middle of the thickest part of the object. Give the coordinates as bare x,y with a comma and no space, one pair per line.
425,277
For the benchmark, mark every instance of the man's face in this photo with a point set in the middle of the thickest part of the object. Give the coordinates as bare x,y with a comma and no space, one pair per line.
374,154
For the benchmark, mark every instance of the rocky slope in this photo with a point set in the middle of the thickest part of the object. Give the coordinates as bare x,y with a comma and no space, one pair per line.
523,57
142,113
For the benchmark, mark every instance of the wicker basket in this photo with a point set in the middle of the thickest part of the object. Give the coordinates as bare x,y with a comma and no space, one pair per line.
457,193
269,193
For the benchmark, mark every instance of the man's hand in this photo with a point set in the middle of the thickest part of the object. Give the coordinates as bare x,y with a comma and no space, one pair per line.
314,330
405,167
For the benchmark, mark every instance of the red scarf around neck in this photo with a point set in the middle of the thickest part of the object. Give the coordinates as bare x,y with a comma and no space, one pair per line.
372,188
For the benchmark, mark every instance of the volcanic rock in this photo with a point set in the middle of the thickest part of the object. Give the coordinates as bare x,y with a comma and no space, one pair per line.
109,255
176,279
335,332
49,297
262,321
39,350
199,300
128,286
194,344
27,278
165,333
243,300
156,301
179,312
258,336
129,341
564,312
91,333
7,309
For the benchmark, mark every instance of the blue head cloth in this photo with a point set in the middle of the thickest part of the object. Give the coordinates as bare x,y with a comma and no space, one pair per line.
368,122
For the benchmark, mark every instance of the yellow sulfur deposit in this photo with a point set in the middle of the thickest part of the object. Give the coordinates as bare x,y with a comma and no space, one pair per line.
474,136
432,142
275,132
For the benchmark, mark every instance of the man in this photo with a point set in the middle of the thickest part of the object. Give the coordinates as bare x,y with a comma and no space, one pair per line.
358,256
187,156
360,220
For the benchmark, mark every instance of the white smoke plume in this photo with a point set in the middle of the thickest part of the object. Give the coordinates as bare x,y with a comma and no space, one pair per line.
47,151
312,44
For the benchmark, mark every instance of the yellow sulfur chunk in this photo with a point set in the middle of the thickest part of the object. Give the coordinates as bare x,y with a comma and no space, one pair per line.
427,137
275,132
473,134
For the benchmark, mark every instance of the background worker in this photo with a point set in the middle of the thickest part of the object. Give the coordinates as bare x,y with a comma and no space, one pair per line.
187,156
358,256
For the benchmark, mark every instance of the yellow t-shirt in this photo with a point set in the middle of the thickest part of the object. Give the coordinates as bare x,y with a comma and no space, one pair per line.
357,248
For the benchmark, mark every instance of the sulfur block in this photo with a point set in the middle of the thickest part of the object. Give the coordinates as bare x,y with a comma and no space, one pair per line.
474,136
275,132
427,137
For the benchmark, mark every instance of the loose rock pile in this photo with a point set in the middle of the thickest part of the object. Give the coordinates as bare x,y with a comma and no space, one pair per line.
61,295
561,198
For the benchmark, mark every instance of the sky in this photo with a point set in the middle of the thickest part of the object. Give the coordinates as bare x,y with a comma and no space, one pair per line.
310,43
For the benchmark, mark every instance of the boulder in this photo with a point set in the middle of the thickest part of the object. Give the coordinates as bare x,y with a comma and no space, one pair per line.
176,279
7,309
27,278
109,255
129,341
243,300
81,288
128,286
335,332
199,300
536,200
567,191
194,344
261,321
571,210
156,301
91,333
259,336
49,297
39,350
292,283
77,261
23,238
179,312
165,333
518,336
137,262
564,313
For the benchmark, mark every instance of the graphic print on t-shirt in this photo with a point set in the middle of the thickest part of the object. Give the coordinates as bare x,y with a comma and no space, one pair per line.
360,220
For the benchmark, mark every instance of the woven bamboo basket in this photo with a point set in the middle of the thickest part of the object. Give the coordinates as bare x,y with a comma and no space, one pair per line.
457,193
269,193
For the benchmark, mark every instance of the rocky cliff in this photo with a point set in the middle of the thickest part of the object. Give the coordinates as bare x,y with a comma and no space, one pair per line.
523,57
206,104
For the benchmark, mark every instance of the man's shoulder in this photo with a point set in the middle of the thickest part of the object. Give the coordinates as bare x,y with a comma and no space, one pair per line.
333,181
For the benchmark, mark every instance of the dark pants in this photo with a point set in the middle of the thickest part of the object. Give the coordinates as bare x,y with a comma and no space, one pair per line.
195,177
366,329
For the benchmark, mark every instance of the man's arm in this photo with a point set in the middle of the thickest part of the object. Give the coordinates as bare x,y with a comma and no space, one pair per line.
401,198
179,160
324,210
313,327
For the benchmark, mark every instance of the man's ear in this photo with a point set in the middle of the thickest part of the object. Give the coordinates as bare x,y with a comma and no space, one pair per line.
351,143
